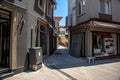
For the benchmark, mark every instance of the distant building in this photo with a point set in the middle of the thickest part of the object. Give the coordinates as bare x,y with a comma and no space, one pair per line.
57,19
94,27
63,31
25,24
63,36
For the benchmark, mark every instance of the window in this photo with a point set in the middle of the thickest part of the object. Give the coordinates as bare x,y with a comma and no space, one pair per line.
49,8
41,4
81,7
105,6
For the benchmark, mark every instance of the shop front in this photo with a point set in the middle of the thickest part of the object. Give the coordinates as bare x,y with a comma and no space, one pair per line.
105,38
95,39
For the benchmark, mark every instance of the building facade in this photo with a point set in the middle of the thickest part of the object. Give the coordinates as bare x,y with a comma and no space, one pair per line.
96,30
25,24
57,19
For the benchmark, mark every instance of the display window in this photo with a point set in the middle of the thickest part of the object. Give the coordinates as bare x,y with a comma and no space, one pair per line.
104,44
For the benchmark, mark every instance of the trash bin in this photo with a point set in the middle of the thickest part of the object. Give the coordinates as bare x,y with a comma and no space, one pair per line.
35,58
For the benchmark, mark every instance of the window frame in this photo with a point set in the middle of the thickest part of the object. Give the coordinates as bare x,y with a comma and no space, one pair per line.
49,8
81,5
41,7
106,6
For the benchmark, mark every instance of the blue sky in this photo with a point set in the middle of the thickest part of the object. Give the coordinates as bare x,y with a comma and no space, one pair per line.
61,10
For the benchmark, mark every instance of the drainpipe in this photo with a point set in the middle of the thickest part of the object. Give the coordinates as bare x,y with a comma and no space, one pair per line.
31,37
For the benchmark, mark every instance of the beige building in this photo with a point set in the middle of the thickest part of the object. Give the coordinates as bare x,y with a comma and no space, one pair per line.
94,27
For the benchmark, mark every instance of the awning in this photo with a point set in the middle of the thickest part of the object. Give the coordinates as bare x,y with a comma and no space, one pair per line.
104,27
13,6
42,20
105,24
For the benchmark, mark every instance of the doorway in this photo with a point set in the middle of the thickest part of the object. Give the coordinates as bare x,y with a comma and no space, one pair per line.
43,39
4,38
78,45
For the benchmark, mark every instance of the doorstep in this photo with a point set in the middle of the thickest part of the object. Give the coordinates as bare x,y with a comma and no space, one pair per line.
108,57
5,72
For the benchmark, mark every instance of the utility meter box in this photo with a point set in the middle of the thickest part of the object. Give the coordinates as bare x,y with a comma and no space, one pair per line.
35,58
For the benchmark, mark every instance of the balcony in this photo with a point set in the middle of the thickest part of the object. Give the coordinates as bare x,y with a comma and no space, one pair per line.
104,16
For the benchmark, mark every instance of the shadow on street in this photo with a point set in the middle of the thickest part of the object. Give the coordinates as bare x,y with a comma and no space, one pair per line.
61,59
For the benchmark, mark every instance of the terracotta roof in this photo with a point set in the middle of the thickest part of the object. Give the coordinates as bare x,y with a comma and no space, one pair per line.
57,18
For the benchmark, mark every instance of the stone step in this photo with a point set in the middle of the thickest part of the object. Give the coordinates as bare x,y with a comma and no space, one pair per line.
108,57
5,72
6,75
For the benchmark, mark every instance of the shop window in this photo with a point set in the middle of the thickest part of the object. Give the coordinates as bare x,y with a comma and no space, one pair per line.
104,44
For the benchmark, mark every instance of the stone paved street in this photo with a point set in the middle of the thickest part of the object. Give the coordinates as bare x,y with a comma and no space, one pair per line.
61,66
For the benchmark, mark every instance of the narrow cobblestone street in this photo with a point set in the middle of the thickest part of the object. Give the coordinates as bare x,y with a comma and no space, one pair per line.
62,66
